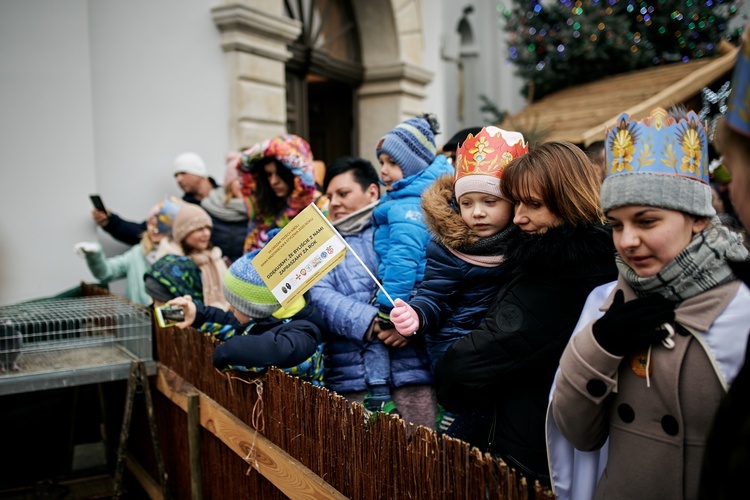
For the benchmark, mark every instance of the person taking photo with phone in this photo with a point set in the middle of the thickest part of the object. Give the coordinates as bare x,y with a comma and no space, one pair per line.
258,332
191,174
132,264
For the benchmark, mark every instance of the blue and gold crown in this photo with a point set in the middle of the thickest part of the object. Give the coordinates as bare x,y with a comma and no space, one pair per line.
658,144
658,161
738,111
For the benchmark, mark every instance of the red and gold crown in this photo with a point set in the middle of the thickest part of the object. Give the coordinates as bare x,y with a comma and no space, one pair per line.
486,154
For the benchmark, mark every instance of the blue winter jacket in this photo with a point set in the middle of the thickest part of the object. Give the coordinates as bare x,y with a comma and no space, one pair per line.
401,235
344,299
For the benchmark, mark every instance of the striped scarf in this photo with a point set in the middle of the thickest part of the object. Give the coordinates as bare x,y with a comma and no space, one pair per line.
701,266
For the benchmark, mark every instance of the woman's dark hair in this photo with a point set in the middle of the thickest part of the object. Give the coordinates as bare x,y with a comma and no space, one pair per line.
267,201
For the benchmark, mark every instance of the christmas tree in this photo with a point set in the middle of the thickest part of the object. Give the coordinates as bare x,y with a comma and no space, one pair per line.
560,43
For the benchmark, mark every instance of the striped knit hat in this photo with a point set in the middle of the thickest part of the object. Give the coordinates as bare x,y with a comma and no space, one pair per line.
411,144
246,291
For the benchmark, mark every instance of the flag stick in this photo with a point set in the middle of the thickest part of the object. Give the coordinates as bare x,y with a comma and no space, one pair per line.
355,255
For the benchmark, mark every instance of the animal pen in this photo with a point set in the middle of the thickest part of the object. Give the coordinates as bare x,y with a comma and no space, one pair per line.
64,342
233,435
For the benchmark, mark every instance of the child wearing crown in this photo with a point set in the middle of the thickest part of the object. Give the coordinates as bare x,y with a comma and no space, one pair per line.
469,221
656,350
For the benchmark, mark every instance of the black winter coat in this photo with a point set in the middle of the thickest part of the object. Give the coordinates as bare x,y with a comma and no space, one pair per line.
268,342
506,366
726,462
229,236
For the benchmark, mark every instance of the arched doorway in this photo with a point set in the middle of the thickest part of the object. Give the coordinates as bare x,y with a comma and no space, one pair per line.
274,71
323,75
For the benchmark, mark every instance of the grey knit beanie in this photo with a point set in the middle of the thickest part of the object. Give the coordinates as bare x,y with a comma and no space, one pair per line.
660,161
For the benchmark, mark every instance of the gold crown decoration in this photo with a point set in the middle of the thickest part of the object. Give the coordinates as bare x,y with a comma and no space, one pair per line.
489,152
658,161
658,144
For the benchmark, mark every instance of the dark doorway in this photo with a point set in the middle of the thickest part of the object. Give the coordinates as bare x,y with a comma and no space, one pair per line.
331,118
322,77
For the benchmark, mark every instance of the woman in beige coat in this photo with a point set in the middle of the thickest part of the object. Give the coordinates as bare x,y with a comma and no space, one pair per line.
648,373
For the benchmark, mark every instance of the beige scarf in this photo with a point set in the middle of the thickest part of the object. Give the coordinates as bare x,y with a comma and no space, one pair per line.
213,269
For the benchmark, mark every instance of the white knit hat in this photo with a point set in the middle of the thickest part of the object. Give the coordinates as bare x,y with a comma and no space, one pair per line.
190,163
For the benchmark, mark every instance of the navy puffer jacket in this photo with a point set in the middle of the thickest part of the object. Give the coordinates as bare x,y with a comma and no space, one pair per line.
455,294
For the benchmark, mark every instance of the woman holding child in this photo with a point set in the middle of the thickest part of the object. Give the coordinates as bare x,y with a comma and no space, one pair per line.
556,254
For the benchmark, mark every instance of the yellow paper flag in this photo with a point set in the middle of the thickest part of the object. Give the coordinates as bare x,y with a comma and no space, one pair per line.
304,251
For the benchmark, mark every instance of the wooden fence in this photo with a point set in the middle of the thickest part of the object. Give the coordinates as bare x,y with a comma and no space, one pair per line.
276,436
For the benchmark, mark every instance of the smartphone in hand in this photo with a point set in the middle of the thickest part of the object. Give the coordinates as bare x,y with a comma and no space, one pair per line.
97,202
169,315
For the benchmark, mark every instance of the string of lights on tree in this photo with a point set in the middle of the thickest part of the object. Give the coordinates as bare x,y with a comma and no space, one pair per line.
560,43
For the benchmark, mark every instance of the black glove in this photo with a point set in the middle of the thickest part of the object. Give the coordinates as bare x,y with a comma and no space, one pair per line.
627,327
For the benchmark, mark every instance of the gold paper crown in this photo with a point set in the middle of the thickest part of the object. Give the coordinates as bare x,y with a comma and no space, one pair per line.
489,152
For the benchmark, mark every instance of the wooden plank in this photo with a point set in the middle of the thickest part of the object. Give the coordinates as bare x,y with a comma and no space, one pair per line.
148,483
283,471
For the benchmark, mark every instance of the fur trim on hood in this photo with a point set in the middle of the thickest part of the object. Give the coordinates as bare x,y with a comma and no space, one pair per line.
445,225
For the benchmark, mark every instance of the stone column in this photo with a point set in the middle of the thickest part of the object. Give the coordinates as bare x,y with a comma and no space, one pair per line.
255,42
395,79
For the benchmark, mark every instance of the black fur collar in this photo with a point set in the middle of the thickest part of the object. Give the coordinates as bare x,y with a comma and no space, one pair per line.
561,250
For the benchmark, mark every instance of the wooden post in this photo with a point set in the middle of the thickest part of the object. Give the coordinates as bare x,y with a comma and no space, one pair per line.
138,379
194,444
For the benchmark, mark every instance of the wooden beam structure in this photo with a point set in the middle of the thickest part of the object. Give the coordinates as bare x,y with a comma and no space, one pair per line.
582,114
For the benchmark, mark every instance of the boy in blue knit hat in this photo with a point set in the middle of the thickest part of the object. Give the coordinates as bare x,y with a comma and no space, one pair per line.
258,332
408,166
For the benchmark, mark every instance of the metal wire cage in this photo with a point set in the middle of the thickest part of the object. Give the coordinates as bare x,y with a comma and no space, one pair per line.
62,342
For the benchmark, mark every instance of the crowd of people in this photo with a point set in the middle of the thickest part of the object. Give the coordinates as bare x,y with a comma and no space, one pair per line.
582,315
